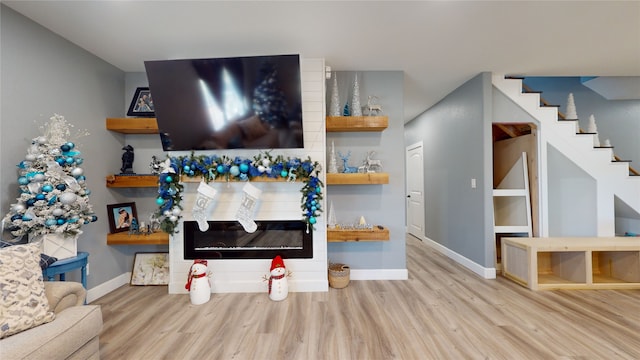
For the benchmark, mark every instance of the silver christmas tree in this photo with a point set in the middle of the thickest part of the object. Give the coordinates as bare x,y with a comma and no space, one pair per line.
334,103
333,163
332,217
356,109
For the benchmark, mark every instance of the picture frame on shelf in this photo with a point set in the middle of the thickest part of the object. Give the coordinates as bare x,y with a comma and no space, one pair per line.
120,216
142,103
150,268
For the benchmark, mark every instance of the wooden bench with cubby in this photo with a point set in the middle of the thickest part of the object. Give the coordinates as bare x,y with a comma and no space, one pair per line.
572,263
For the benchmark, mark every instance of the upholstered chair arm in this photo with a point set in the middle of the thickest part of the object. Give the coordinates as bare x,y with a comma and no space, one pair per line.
64,294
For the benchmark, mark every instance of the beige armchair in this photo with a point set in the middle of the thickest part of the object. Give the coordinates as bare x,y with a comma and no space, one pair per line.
73,334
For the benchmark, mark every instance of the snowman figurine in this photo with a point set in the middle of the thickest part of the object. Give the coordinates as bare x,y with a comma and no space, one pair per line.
278,285
198,283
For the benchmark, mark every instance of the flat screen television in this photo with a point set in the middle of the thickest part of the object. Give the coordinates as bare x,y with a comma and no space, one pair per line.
252,102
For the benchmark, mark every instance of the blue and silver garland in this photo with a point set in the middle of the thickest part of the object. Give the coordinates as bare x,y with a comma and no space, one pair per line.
212,167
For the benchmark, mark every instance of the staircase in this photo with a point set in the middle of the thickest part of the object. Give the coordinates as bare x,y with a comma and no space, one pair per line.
613,178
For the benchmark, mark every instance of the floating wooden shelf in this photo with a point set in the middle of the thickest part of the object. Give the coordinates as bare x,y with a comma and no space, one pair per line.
124,238
357,179
131,181
375,234
356,123
133,125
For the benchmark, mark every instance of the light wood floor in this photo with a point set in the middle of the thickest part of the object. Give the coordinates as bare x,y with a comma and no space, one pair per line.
442,312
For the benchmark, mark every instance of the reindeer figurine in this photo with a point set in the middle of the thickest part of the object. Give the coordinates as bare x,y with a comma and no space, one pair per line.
346,168
373,165
372,106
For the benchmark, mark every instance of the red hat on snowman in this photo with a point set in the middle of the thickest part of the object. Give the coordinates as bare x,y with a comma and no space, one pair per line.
276,263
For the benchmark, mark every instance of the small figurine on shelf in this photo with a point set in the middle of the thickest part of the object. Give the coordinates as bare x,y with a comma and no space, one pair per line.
155,165
345,167
127,160
373,165
372,106
134,229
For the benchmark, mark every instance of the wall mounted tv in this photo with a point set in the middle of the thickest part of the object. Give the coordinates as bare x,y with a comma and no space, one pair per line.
251,102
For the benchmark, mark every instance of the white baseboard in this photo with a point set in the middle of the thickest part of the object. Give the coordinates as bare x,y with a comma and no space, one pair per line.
379,274
106,287
487,273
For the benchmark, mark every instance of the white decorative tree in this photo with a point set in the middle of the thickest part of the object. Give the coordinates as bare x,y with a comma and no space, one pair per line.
356,108
593,128
334,103
571,111
332,217
333,163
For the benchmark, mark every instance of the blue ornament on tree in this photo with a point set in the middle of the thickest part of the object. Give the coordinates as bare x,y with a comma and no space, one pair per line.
159,201
244,168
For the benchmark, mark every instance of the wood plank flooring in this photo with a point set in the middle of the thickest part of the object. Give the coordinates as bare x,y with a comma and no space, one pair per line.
442,312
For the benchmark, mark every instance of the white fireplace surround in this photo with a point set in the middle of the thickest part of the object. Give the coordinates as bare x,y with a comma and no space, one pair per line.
279,201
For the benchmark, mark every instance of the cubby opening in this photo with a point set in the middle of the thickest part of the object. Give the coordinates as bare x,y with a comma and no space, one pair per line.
568,267
615,266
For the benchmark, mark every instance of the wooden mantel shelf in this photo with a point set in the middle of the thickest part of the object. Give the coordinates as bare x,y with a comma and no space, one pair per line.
133,125
124,238
356,123
357,179
132,181
343,235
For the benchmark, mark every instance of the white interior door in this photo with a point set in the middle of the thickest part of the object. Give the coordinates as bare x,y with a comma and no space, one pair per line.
415,190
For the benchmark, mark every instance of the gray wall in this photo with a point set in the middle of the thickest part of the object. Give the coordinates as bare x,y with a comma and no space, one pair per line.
379,204
43,74
456,133
572,197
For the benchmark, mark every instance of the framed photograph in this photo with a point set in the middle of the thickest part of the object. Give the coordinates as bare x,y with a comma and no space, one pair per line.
150,269
121,216
142,103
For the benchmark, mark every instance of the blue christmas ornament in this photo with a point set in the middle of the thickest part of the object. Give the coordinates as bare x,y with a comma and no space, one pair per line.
53,200
168,179
16,217
186,168
23,165
79,161
94,218
284,173
26,217
220,169
47,188
70,145
30,202
40,197
69,160
50,222
313,208
159,201
244,168
61,187
65,147
22,180
312,220
60,221
60,161
234,170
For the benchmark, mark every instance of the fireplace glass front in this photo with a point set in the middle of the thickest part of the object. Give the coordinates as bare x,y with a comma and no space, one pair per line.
229,240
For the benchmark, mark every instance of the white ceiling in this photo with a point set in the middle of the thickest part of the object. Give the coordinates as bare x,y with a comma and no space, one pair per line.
438,44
